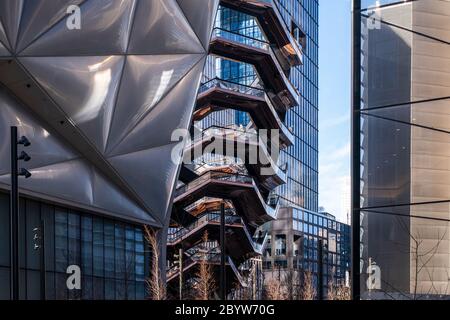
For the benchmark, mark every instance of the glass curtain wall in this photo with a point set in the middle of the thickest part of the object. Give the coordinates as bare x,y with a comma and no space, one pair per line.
112,255
403,147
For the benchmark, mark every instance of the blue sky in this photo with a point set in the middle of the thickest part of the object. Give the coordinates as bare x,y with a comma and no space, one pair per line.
334,106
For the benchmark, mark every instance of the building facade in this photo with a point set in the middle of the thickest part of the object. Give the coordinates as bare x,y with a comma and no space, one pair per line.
302,240
404,115
97,87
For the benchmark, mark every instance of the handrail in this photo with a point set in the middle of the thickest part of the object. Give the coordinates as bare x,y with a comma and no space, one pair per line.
209,216
198,255
231,85
209,256
213,132
220,83
259,247
225,176
241,38
236,271
217,175
233,130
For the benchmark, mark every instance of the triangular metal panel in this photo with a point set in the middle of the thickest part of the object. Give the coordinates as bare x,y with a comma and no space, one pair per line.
57,180
45,149
171,113
93,84
146,81
108,196
39,16
3,38
160,27
105,27
10,13
3,51
201,16
152,174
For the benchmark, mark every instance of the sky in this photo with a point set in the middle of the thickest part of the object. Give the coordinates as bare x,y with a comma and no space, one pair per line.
334,106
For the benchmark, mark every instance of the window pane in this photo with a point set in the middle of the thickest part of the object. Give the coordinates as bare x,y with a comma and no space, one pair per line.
98,247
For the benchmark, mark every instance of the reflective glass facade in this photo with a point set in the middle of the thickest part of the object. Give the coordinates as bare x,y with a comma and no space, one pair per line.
404,118
111,254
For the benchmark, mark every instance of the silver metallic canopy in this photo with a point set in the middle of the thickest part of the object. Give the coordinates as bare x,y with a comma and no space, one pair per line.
100,103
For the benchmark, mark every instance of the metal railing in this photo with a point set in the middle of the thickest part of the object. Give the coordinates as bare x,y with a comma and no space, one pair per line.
232,86
211,256
273,205
244,89
214,175
232,132
240,38
196,255
209,216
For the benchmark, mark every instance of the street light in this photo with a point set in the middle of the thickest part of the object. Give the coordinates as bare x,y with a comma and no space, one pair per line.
14,206
24,156
24,172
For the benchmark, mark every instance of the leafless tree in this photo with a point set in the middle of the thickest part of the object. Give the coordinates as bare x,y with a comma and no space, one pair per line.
307,291
156,285
274,290
337,290
289,283
205,284
421,259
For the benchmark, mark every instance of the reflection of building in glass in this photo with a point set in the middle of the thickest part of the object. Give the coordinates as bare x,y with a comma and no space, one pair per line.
294,240
405,138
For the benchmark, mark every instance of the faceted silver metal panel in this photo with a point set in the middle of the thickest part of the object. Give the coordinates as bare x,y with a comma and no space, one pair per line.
40,16
3,39
200,20
94,82
105,26
55,167
44,150
3,50
146,80
104,99
135,168
10,13
160,27
144,135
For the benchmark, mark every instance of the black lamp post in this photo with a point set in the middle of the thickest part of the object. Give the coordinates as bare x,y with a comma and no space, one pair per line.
14,207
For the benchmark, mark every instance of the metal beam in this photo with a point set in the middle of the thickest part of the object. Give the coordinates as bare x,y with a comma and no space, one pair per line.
14,218
223,284
356,141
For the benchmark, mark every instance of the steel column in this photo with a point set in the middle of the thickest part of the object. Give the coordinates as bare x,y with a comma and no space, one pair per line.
356,144
320,269
223,284
14,219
